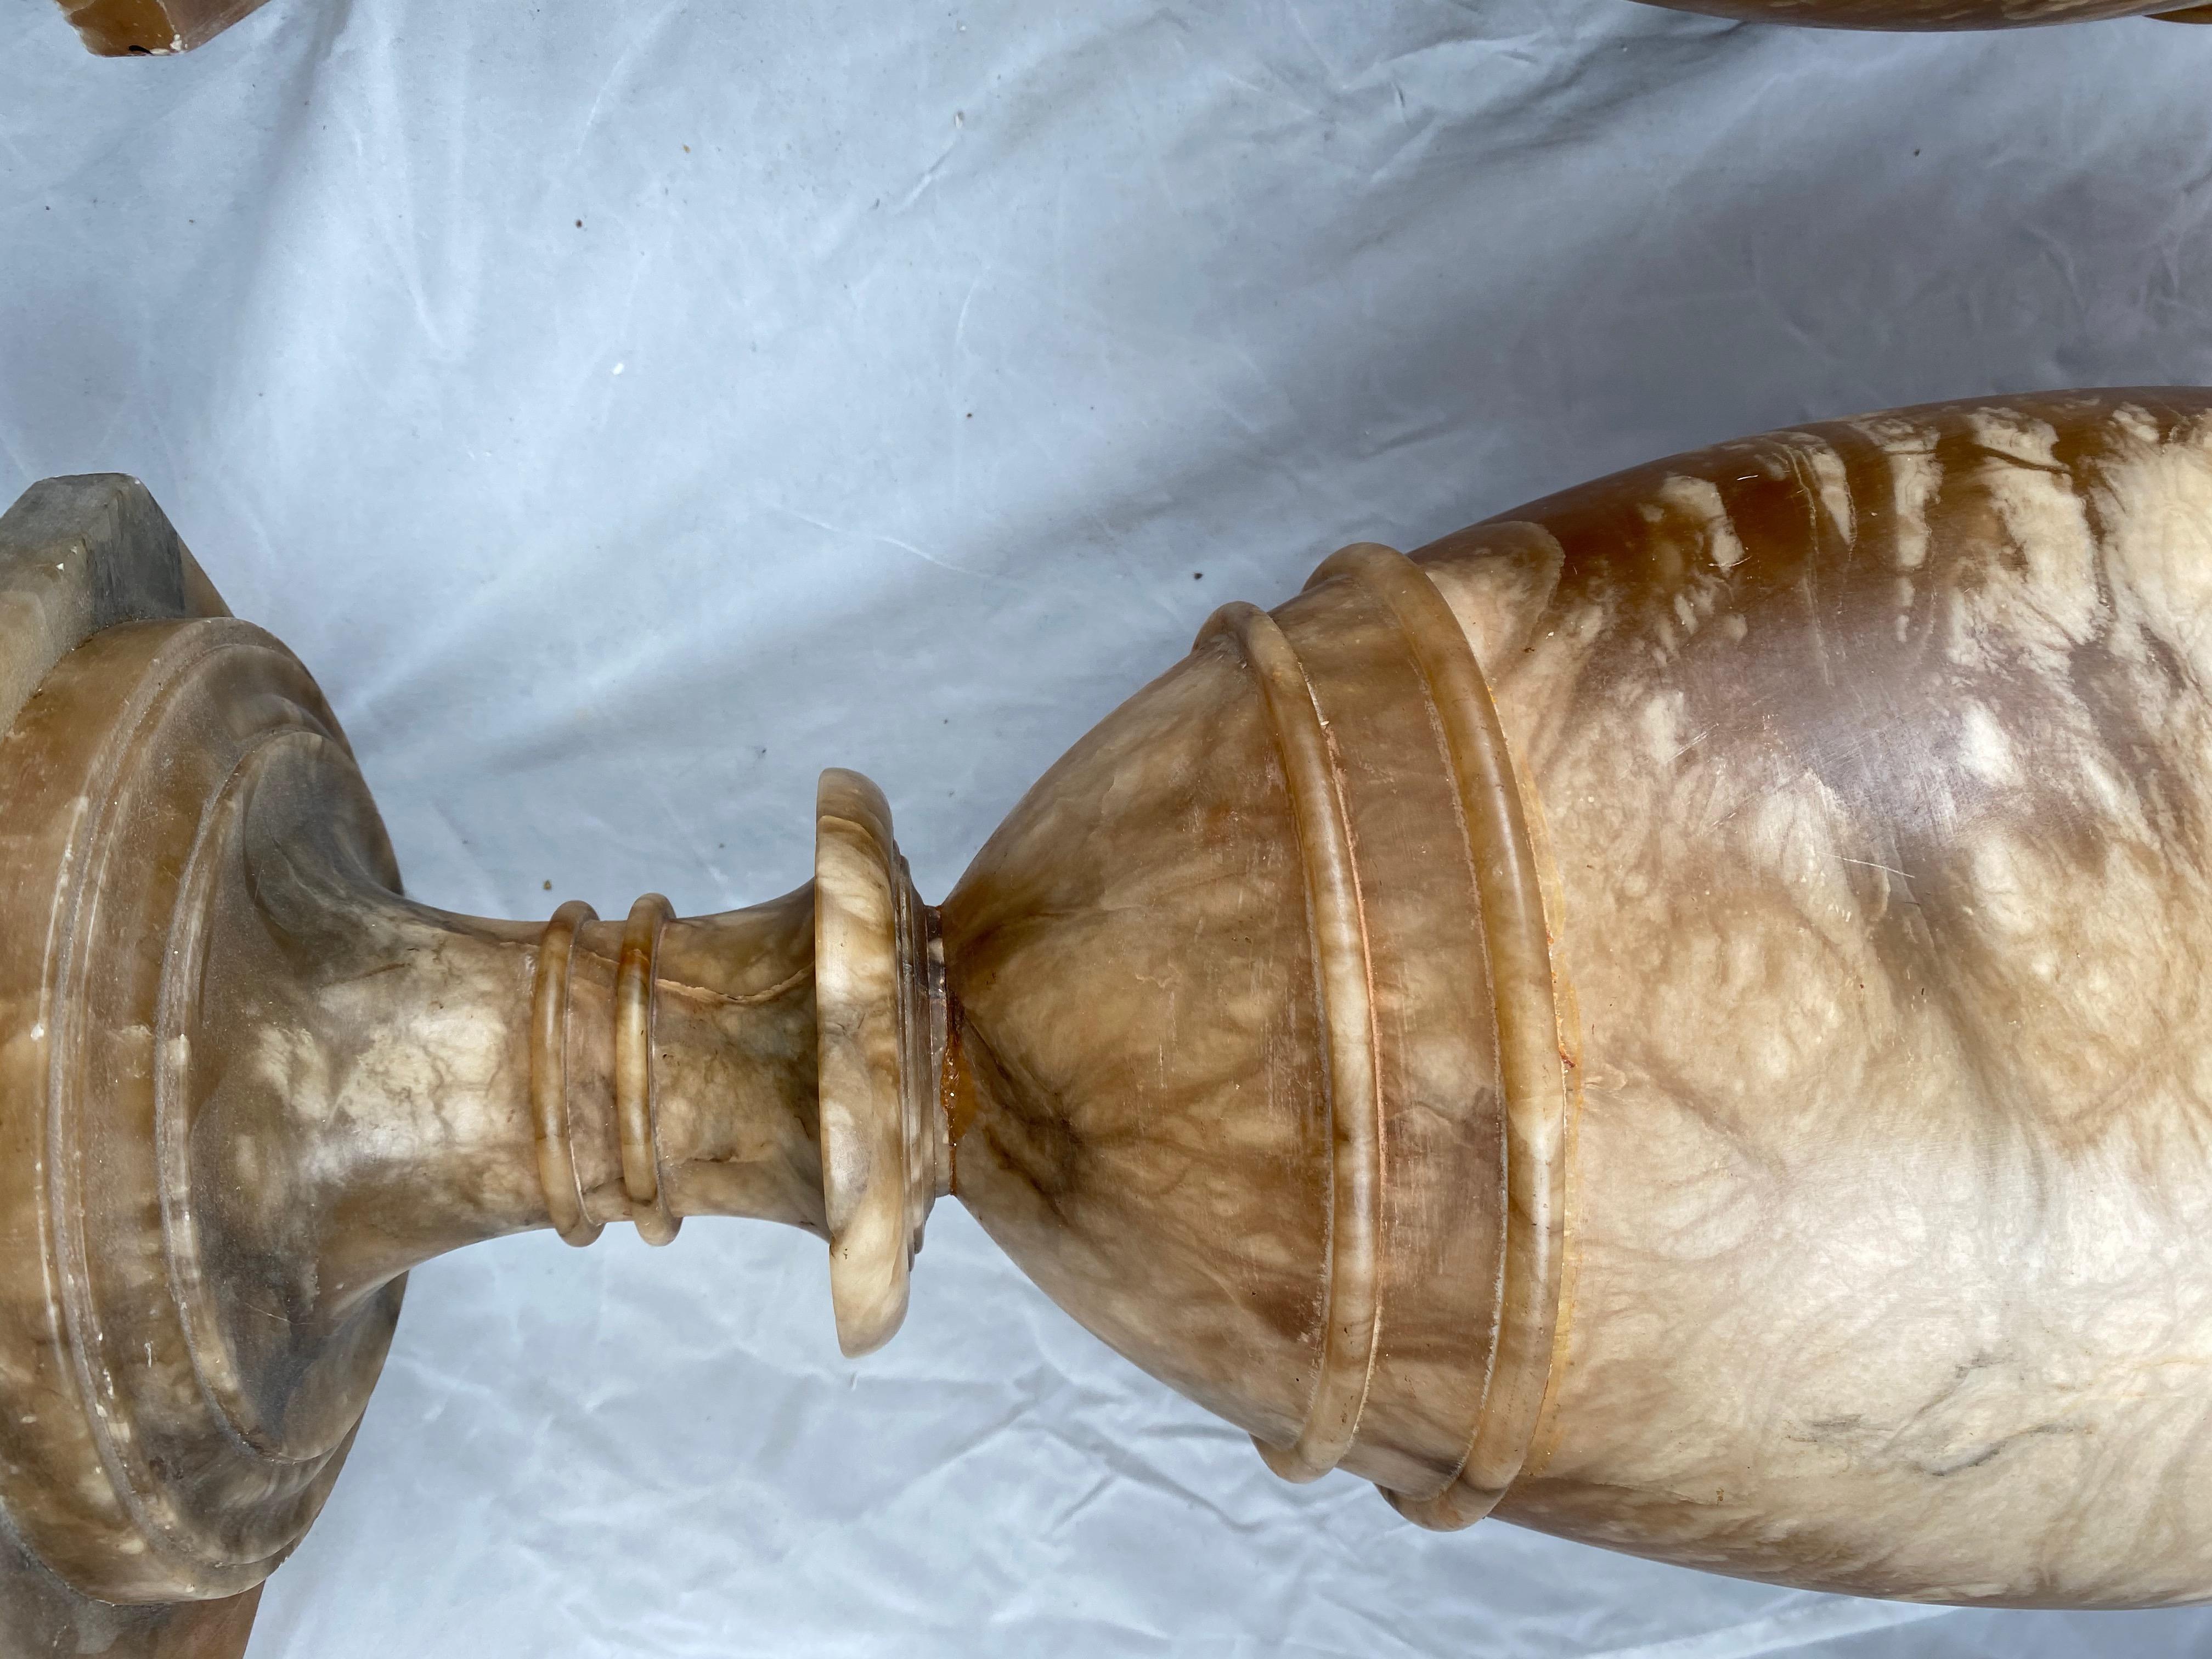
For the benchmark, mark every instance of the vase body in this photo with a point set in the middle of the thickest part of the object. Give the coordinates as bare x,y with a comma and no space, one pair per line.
1853,1237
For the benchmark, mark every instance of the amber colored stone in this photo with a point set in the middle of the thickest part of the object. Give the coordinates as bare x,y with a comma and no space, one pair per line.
151,28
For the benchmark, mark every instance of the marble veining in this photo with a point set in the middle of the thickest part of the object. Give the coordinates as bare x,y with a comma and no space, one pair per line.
1882,853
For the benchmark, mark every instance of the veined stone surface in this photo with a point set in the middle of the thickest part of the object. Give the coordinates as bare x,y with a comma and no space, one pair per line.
1874,764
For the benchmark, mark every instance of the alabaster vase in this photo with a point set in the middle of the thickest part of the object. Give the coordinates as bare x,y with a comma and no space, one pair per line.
1677,1016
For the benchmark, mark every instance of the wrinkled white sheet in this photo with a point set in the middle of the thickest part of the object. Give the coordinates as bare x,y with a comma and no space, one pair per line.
917,380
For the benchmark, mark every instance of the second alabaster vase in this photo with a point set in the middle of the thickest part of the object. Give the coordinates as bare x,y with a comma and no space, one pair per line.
1677,1016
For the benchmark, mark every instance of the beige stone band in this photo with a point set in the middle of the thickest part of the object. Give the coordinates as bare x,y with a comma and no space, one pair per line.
1353,1313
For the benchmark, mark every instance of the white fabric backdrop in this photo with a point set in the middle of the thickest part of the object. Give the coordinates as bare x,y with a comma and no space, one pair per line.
918,378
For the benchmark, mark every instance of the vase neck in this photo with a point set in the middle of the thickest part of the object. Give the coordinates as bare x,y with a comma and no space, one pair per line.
436,1079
